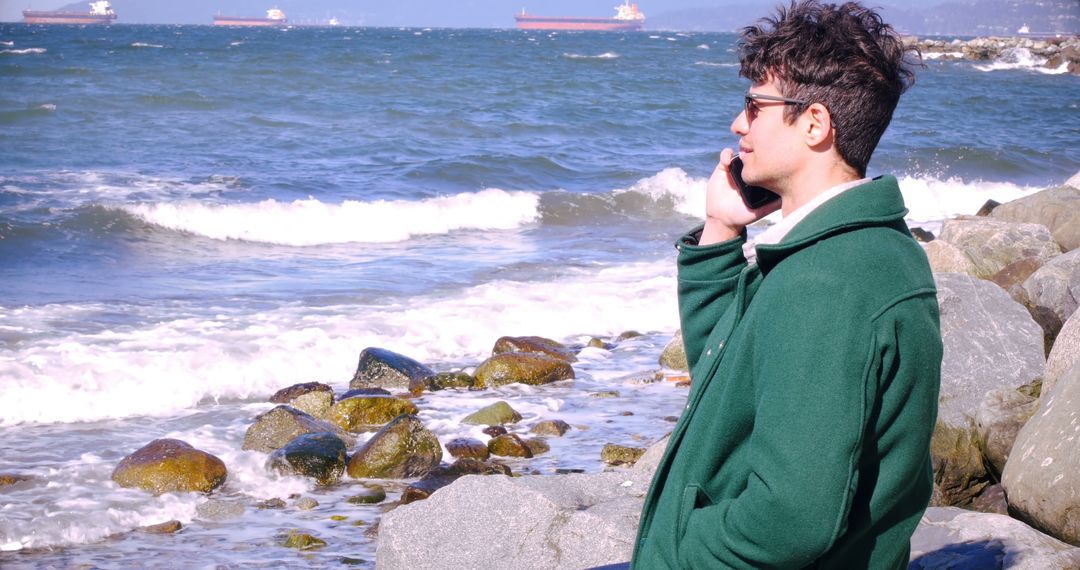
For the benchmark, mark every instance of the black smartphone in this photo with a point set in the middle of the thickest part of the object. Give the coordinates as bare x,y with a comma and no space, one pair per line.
754,196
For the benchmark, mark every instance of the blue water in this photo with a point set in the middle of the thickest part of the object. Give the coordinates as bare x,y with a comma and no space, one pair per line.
193,217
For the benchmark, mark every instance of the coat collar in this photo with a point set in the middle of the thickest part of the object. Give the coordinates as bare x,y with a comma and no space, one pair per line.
876,203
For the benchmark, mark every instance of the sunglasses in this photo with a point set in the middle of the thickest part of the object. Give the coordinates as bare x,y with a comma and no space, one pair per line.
750,102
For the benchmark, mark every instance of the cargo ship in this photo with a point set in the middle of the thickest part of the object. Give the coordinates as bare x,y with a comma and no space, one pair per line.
626,19
101,12
274,17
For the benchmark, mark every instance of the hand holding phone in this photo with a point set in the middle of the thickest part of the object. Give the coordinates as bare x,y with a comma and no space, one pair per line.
754,196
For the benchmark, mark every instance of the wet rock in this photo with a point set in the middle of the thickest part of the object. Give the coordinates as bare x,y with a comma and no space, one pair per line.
302,541
320,456
313,398
368,495
605,394
162,528
7,479
674,354
556,428
992,244
467,447
945,257
537,446
524,368
1066,352
613,454
218,510
443,476
991,500
499,413
509,445
494,431
921,235
369,413
956,539
533,345
403,448
381,368
627,335
987,208
446,380
270,504
306,503
1042,476
1000,417
595,342
170,465
273,429
1058,209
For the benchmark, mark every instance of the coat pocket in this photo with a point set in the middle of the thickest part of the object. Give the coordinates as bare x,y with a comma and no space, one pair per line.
693,497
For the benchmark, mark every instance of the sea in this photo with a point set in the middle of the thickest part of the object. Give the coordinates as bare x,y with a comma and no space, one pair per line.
192,218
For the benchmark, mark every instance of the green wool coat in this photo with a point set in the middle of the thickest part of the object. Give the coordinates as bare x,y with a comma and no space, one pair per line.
805,441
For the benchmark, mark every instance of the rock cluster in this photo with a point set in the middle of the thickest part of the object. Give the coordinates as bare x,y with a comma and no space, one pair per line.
1006,448
1054,52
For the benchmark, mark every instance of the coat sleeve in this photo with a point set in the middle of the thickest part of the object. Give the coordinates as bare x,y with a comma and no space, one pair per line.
814,383
708,276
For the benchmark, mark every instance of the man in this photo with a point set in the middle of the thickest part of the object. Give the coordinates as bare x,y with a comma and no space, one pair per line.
815,352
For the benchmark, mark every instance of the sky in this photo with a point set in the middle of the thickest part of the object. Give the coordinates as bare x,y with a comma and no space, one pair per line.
442,13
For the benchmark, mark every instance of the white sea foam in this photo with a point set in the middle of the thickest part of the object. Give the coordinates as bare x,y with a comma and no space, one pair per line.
8,44
311,222
939,55
142,44
1021,58
170,366
715,64
931,200
605,55
27,51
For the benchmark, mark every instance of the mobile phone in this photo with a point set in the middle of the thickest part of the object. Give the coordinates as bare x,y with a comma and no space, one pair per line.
754,196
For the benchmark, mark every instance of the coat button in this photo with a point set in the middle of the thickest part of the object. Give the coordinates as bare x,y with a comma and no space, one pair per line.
708,352
721,347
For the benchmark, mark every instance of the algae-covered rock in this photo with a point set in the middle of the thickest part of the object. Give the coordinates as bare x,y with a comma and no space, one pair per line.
446,380
368,495
533,345
613,454
320,456
959,472
369,413
537,446
551,427
7,479
524,368
302,541
509,445
674,354
497,414
170,465
273,429
315,398
403,448
383,368
168,527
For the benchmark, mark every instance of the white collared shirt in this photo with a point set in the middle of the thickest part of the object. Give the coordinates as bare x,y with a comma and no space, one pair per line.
776,233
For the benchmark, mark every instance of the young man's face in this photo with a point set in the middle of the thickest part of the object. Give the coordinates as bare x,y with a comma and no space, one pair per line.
770,147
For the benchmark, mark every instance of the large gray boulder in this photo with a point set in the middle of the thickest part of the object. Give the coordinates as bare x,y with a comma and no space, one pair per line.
1000,417
496,522
955,539
993,244
990,343
1042,476
945,257
1065,354
1052,292
1057,208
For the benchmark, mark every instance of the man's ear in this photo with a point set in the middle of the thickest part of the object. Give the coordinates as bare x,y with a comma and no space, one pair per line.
818,126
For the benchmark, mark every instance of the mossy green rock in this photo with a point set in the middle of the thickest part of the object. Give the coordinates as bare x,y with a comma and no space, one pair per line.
170,465
302,541
533,345
497,414
320,456
556,428
402,449
960,474
314,398
275,428
674,354
444,380
509,445
368,495
369,413
521,367
613,454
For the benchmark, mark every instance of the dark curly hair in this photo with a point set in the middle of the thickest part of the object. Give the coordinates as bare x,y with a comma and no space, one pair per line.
842,56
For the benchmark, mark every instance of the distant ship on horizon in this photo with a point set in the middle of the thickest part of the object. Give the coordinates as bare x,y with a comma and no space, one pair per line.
627,19
274,17
101,12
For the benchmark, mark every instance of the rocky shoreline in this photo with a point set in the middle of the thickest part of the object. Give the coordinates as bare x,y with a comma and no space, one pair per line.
1054,53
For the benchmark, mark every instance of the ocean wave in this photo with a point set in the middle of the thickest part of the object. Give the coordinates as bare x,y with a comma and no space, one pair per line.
26,51
146,45
182,360
1022,59
311,222
930,199
715,64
